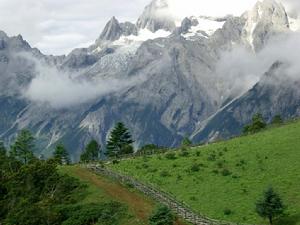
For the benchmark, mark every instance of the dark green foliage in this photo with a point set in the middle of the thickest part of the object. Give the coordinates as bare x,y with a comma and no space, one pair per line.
30,191
36,194
170,155
61,155
164,173
277,120
23,147
226,172
212,157
91,152
120,141
186,142
184,152
227,212
257,125
195,167
162,216
100,214
270,205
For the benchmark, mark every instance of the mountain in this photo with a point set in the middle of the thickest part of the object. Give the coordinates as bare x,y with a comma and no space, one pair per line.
157,76
272,95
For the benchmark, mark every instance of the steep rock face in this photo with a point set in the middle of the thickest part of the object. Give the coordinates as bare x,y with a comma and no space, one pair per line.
276,93
155,17
264,20
112,31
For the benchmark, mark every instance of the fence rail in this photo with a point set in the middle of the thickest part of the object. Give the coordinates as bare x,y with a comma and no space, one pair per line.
160,196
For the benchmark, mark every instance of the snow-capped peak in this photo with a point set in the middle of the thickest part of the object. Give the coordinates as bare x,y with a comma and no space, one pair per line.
267,16
156,16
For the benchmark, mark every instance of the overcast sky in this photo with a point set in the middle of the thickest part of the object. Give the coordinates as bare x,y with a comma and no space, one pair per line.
58,26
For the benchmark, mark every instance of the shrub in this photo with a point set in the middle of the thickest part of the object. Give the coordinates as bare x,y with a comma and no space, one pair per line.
193,198
152,170
115,161
227,212
170,155
220,163
184,152
145,166
212,157
198,153
164,173
226,172
162,216
257,124
179,177
195,168
215,171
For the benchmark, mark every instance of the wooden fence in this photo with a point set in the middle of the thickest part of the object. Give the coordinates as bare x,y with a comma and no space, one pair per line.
180,208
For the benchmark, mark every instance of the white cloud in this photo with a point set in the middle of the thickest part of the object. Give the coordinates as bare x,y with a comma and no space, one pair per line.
62,89
238,70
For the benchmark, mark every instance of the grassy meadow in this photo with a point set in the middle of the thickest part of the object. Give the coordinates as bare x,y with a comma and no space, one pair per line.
225,179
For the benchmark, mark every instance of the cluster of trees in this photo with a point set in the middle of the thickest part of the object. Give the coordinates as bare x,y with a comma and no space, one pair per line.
119,143
33,192
258,123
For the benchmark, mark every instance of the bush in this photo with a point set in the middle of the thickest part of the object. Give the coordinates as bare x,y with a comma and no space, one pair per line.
227,212
212,157
162,216
257,124
221,163
152,170
195,168
106,213
115,161
145,166
170,155
198,153
226,172
164,173
184,152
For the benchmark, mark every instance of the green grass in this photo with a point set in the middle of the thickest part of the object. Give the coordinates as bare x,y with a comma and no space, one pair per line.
228,177
101,189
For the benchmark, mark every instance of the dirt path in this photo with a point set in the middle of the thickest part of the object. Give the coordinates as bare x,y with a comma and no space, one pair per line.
137,203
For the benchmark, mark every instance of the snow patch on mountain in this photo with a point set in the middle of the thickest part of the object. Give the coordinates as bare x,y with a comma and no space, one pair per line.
294,24
204,26
143,35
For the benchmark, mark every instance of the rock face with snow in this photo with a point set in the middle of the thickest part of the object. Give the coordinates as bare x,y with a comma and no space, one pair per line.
263,21
167,85
155,18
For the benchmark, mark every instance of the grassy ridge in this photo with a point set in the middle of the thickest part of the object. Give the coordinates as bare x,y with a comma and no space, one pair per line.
224,180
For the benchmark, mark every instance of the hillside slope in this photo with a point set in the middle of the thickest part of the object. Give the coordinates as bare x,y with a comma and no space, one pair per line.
101,189
229,176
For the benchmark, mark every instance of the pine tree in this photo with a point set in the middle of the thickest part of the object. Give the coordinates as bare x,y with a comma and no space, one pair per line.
23,147
61,155
120,141
91,152
270,205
